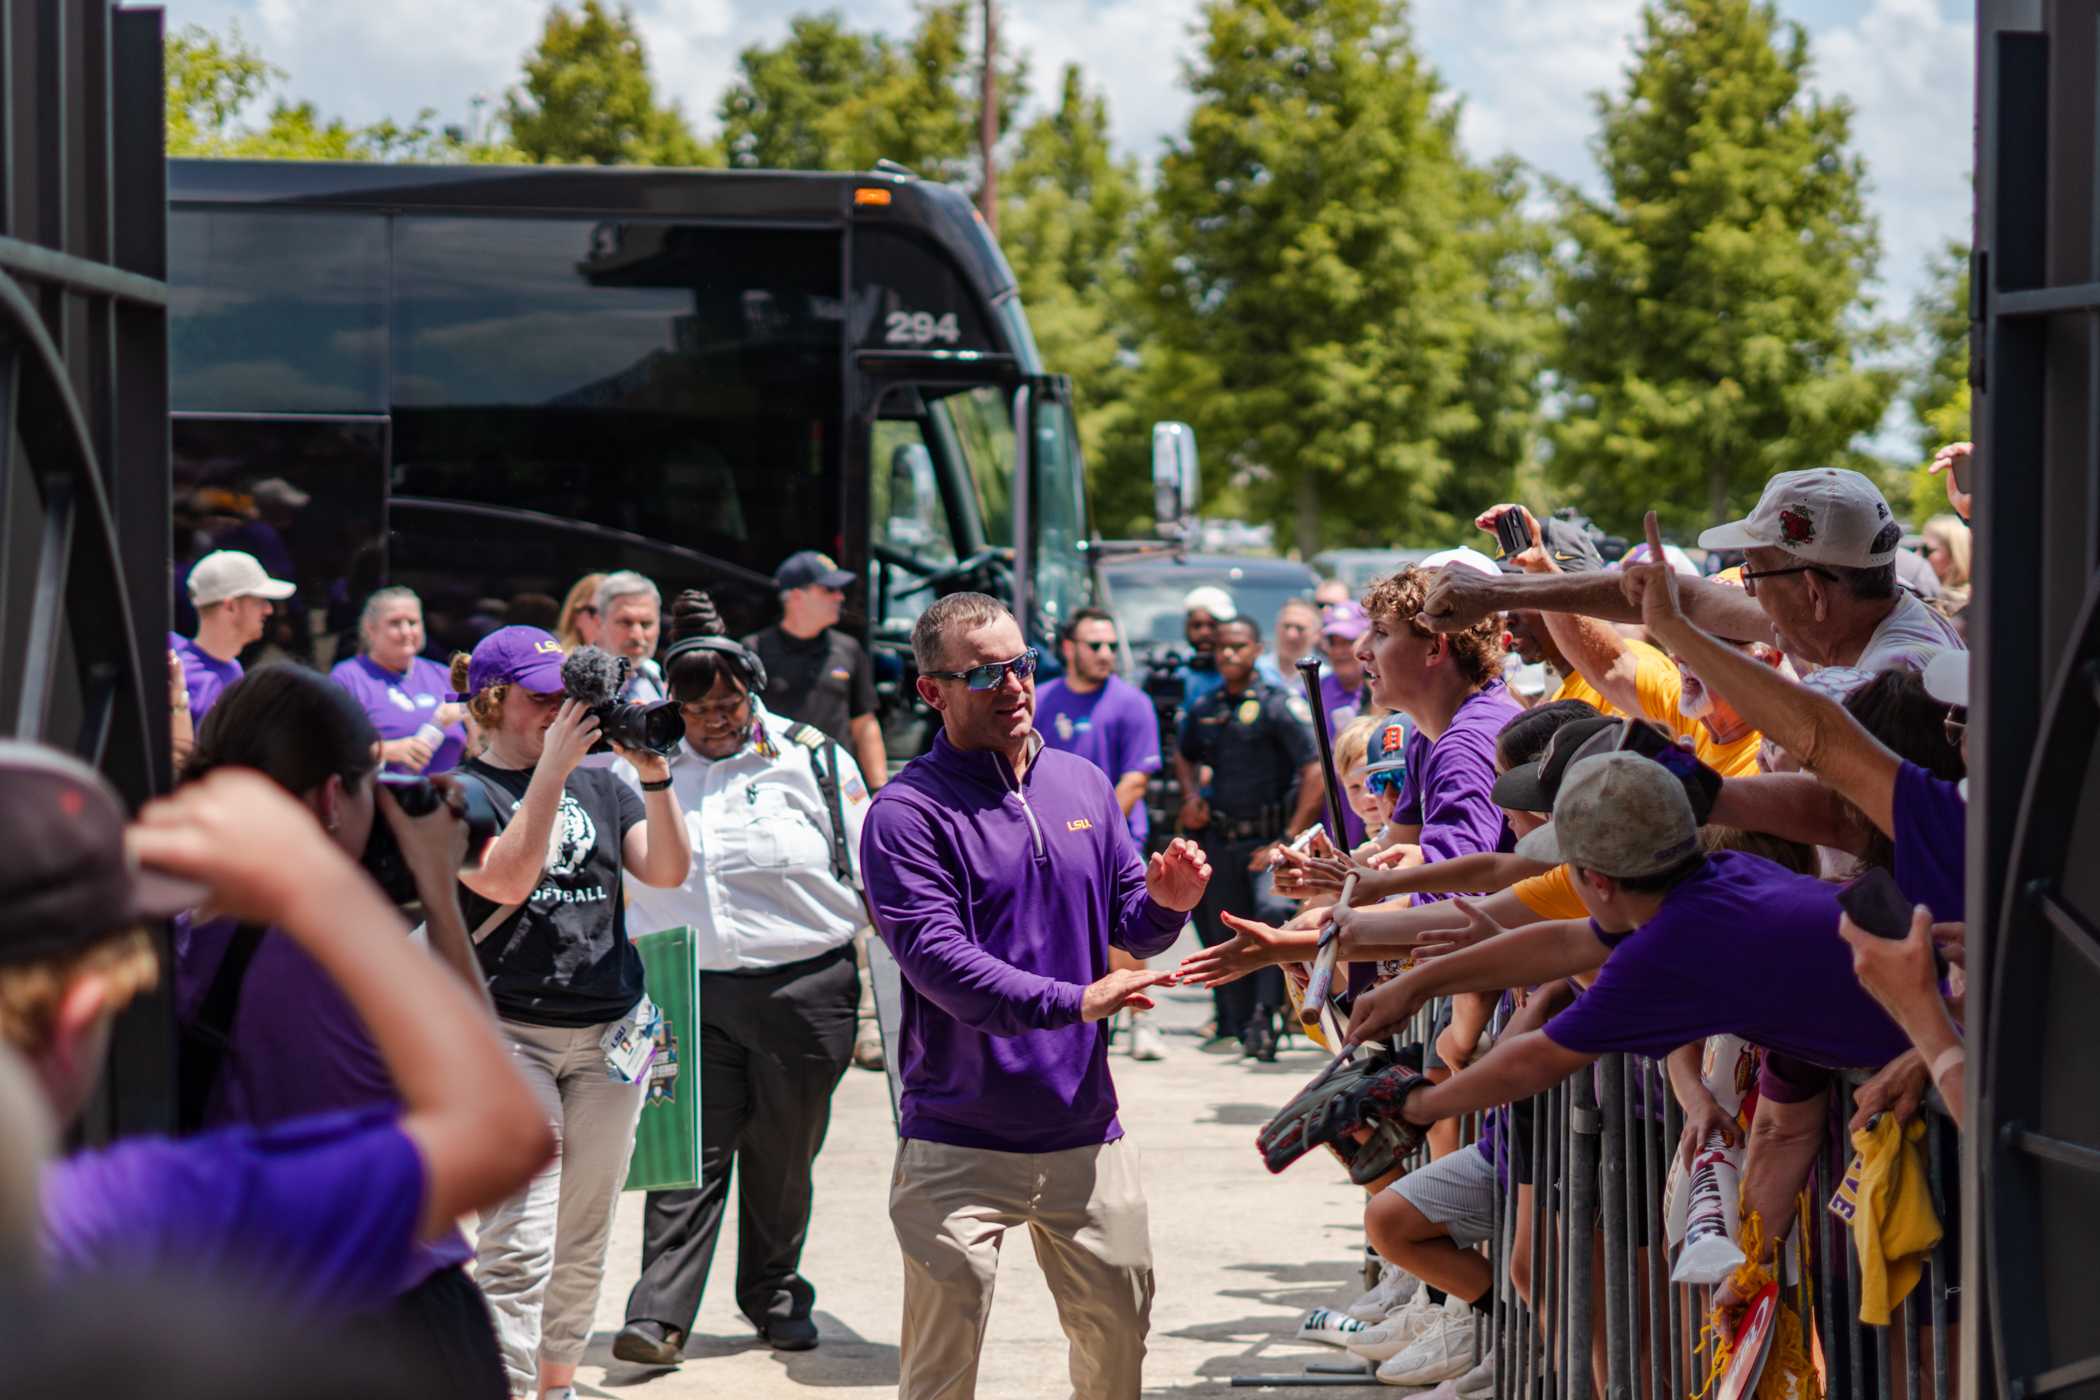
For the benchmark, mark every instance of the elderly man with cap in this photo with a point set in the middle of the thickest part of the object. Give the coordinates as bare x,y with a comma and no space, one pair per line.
320,1213
816,673
233,598
1819,582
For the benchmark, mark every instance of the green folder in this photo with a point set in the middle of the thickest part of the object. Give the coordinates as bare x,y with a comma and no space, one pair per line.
667,1142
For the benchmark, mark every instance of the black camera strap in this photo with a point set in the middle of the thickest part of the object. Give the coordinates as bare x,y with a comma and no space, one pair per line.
208,1038
823,757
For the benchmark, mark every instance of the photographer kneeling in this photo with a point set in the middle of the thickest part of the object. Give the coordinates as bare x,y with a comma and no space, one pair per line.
774,809
268,1034
550,931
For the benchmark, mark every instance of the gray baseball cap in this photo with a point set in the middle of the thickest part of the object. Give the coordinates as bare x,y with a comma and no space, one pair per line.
1619,814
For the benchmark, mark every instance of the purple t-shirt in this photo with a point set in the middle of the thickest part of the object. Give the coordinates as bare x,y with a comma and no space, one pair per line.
400,704
1338,705
1745,947
1932,842
1449,787
319,1214
1113,727
297,1048
204,675
1000,902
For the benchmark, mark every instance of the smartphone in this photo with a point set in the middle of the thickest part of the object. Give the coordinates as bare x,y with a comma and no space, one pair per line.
1959,470
1874,903
1513,531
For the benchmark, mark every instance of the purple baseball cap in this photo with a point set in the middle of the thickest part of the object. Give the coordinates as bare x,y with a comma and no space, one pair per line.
1345,620
521,656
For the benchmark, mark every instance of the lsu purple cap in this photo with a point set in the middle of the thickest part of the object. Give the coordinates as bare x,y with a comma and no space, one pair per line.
522,656
1345,620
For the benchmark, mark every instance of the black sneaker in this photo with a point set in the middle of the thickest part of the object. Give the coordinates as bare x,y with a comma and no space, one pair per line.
1258,1040
650,1343
789,1333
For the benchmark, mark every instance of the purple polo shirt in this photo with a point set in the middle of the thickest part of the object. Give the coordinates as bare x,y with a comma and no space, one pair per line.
400,703
319,1214
1932,842
999,901
298,1048
1449,787
1745,947
204,675
1113,727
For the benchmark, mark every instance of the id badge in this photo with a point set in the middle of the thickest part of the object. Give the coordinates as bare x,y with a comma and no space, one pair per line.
630,1042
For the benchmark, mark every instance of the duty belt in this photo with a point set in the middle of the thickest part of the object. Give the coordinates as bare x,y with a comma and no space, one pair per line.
1267,827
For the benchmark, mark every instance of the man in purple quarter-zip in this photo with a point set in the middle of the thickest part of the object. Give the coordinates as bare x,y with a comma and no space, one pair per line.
1000,873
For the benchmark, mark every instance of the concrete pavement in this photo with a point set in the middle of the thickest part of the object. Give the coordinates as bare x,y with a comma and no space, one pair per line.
1240,1254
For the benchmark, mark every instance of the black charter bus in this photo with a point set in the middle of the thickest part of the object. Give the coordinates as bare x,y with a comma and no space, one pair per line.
485,382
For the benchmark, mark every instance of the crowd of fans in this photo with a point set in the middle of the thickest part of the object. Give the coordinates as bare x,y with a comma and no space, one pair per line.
1590,807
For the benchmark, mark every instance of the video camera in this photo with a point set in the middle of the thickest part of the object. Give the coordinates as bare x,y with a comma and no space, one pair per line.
595,678
419,797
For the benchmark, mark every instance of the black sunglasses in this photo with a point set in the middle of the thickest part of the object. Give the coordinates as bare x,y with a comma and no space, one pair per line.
992,674
1751,576
1096,646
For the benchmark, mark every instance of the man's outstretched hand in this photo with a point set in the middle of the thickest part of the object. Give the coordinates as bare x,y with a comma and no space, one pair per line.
1121,988
1652,585
1176,877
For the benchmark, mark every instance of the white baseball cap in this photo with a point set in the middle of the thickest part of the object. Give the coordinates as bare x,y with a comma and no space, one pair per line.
1464,558
1677,559
1946,677
1825,515
1213,600
229,573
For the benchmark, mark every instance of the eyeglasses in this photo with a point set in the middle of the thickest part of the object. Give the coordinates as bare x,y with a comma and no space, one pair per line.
1096,646
1751,576
713,709
992,674
1955,724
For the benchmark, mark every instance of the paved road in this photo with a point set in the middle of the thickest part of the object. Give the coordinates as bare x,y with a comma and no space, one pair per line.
1240,1254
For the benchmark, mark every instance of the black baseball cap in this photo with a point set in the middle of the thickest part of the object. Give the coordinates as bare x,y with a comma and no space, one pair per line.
69,879
808,566
1529,787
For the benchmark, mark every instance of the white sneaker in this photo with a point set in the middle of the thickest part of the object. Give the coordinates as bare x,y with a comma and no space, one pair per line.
1333,1328
1145,1042
1478,1383
1394,1288
1443,1352
1381,1341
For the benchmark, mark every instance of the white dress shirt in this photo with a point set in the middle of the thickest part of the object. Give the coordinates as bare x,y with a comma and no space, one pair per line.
761,893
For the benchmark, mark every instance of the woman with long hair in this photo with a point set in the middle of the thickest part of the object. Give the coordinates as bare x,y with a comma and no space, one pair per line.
578,625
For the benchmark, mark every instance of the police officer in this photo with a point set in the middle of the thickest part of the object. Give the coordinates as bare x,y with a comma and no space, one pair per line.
1256,741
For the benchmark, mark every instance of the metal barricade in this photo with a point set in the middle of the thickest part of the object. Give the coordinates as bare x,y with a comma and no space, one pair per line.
1589,1239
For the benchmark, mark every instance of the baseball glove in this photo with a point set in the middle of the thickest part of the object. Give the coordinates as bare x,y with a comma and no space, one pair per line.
1366,1093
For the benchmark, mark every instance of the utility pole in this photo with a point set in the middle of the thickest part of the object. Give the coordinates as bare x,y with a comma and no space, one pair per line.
988,120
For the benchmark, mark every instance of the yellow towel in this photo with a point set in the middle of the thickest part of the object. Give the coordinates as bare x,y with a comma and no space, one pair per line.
1888,1198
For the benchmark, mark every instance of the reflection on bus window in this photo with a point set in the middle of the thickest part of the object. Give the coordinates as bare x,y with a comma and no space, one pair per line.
981,421
907,516
1060,516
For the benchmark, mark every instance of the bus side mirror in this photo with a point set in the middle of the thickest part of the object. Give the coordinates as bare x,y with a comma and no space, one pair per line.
1175,477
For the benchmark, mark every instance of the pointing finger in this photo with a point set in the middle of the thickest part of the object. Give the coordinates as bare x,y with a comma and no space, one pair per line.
1655,540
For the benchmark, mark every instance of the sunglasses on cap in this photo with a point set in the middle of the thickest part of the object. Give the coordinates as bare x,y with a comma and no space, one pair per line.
992,674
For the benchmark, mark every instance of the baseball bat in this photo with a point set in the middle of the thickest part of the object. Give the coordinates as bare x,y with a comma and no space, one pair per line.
1330,946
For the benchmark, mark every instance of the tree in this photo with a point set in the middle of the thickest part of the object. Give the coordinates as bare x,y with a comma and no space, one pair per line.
213,82
1331,279
587,97
833,98
1069,216
1712,298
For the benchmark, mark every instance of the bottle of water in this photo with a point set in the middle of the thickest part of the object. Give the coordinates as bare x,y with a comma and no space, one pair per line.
431,735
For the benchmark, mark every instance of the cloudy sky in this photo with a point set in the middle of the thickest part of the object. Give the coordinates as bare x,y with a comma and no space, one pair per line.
1524,68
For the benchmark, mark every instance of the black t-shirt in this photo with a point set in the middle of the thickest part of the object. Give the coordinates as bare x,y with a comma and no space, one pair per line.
563,959
1257,743
825,680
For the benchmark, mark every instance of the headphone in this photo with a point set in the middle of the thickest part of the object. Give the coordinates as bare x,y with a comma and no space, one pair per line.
754,668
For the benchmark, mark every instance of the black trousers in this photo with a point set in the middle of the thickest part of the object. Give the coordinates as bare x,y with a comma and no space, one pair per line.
1231,891
442,1330
773,1047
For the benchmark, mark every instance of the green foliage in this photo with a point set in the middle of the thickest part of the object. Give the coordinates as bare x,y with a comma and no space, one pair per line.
587,98
1069,214
833,98
1710,303
213,82
1340,299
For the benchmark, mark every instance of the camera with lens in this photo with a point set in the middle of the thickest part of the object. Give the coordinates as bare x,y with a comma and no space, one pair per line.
595,678
419,797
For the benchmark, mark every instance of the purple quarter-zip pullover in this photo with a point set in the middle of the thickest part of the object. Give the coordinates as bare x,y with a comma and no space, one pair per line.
999,901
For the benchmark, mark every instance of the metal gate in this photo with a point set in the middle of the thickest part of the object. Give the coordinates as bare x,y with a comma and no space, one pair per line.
84,425
2032,1155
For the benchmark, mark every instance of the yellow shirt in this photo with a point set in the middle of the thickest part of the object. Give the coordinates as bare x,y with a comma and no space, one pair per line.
1660,688
1551,895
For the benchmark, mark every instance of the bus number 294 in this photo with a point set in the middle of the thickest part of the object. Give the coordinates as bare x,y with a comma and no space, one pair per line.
919,328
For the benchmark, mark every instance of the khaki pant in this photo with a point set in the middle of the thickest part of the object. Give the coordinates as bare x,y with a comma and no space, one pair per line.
1085,1212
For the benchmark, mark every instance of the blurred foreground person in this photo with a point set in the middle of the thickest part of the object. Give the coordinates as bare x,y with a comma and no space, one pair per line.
1000,872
